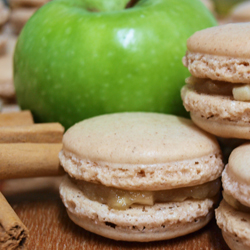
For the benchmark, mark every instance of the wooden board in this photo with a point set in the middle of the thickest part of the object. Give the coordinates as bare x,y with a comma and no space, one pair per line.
50,228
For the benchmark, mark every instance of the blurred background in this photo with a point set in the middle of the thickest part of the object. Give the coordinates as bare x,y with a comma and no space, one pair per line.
15,13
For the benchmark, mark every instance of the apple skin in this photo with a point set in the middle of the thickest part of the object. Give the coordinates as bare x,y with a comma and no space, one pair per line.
71,63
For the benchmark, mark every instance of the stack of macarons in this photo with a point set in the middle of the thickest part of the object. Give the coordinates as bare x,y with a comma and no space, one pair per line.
218,92
218,98
140,176
21,11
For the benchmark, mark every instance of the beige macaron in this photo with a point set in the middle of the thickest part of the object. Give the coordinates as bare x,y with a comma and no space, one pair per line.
19,17
4,14
3,44
218,92
233,214
209,4
140,176
240,12
7,89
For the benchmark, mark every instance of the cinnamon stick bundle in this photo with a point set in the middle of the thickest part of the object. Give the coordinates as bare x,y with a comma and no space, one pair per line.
22,160
16,118
28,149
37,133
13,233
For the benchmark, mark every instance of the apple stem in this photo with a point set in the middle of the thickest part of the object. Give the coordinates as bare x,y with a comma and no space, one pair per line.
131,3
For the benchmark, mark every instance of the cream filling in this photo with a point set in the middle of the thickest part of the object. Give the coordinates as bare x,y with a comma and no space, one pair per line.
123,199
235,203
239,92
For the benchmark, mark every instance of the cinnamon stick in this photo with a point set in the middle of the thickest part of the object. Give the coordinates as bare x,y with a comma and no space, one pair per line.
35,133
25,185
22,160
16,118
13,233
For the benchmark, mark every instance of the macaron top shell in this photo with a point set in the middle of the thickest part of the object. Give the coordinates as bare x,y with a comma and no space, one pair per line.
138,138
141,151
239,163
4,13
220,53
231,40
236,175
241,12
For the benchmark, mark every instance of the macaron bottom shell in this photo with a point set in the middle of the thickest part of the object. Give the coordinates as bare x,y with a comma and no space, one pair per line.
233,242
219,115
141,223
235,226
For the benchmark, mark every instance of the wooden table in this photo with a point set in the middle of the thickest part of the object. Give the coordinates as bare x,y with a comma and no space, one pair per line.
50,228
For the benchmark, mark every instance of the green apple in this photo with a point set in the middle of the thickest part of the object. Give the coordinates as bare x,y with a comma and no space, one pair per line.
80,58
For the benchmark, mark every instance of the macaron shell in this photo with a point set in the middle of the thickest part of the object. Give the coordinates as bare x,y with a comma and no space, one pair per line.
4,14
138,138
3,42
19,17
239,163
230,40
241,12
141,151
233,242
139,223
7,89
218,115
235,224
145,177
209,56
209,4
236,175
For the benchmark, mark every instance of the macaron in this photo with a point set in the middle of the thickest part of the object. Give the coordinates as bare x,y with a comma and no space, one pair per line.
218,92
209,4
233,214
138,176
4,14
7,89
19,17
240,12
3,44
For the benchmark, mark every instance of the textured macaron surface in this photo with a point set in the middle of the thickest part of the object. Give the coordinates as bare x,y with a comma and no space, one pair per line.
215,107
239,163
233,222
138,138
236,176
226,40
138,223
141,151
220,53
241,12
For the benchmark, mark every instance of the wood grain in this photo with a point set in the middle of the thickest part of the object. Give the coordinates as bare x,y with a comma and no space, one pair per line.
50,228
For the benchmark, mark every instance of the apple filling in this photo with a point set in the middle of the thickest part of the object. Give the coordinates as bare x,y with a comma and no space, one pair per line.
239,92
235,203
122,199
